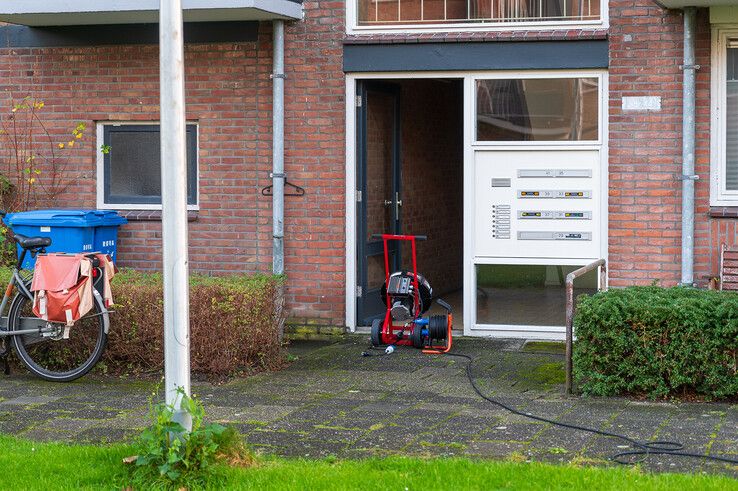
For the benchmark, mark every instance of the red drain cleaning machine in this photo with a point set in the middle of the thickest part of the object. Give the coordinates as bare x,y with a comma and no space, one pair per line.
407,296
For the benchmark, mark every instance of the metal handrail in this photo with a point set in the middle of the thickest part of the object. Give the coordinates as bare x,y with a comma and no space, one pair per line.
600,263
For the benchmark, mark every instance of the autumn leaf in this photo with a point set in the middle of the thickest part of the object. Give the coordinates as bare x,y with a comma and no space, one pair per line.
61,145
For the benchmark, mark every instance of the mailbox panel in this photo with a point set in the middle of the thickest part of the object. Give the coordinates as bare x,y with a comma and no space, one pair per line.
537,204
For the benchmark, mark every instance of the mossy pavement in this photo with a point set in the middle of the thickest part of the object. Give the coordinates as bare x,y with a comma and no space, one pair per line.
332,401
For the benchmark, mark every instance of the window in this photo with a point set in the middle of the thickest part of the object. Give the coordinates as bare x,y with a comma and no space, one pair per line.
131,171
526,295
422,13
537,109
724,125
731,117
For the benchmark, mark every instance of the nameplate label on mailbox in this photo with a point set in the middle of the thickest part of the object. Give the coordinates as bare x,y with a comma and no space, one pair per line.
554,194
554,215
500,221
554,173
535,235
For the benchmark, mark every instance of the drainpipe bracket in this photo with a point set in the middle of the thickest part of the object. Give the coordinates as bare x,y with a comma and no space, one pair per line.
278,175
277,75
690,67
693,177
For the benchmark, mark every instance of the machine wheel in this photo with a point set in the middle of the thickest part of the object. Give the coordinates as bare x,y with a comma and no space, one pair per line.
376,332
438,327
417,337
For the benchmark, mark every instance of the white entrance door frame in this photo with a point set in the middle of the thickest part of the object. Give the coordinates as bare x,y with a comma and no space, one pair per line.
470,147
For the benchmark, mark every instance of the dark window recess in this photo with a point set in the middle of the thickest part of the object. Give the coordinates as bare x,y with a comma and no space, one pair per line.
132,169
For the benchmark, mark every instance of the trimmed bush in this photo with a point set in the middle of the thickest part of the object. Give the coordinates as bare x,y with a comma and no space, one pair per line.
234,324
657,341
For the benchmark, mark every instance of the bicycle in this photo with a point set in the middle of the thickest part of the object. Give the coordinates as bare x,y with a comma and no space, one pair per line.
41,345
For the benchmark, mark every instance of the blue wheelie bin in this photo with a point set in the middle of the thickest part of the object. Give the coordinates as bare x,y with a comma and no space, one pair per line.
70,230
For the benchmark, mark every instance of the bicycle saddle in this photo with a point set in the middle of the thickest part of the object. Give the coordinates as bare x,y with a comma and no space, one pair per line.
32,242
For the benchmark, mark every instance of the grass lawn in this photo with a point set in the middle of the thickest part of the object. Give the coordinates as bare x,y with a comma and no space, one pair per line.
45,466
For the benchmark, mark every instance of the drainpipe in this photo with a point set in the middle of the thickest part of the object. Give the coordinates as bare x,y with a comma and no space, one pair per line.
278,176
688,144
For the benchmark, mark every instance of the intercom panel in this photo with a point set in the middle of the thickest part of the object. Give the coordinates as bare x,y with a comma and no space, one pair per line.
537,204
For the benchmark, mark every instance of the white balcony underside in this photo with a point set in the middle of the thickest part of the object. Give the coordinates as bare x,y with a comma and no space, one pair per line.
90,12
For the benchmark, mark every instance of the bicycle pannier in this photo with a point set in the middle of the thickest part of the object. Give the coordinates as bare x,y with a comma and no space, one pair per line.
62,286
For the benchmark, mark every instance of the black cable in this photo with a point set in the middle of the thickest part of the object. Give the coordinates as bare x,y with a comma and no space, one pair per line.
643,449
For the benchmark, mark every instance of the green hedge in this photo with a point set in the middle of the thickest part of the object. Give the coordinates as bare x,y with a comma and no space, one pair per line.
234,324
657,341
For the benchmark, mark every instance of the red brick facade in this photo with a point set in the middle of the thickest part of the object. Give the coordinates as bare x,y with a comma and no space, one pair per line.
229,94
646,52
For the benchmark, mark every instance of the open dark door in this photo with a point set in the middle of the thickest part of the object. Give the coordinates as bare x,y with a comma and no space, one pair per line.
379,198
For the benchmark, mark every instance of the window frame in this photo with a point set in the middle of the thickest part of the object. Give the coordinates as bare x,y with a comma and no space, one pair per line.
719,195
103,163
353,27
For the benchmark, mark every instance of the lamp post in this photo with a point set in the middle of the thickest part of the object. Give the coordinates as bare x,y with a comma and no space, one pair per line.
174,207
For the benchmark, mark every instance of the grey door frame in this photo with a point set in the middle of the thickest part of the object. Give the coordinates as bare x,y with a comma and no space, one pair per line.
369,303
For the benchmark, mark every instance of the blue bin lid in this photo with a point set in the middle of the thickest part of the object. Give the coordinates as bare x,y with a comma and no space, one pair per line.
66,218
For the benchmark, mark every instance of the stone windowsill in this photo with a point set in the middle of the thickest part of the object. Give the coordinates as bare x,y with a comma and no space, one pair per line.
723,212
151,215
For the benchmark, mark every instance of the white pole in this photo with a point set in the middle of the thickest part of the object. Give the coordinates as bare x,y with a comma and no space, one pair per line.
174,206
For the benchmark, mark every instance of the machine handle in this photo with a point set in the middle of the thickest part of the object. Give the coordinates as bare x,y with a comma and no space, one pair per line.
400,237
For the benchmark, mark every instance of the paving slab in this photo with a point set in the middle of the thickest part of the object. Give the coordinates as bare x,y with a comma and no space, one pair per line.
333,401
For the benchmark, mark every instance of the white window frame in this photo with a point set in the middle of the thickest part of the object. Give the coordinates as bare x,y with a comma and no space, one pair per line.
719,196
100,171
353,27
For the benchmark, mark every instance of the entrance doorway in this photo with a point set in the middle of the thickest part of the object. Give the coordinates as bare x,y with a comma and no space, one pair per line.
410,170
505,172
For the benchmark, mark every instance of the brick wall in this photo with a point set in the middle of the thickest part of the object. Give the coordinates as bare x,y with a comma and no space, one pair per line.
646,49
229,95
228,90
432,178
315,159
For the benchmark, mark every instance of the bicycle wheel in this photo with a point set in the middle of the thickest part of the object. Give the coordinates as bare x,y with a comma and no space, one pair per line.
50,356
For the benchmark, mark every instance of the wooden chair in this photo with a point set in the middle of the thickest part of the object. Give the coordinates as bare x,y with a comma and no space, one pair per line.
728,268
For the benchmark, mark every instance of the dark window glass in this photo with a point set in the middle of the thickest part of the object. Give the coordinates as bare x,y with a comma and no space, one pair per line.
133,166
542,109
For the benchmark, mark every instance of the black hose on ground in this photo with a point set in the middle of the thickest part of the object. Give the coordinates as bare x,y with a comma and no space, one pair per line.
640,449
